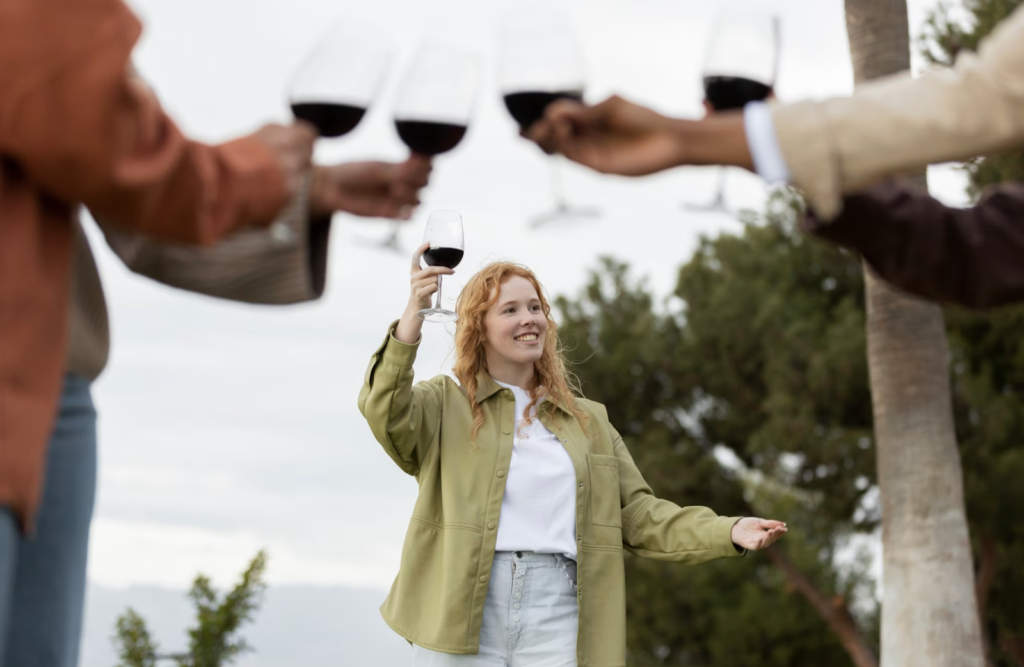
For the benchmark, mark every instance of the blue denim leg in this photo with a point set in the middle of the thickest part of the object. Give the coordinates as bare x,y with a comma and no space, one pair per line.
530,618
9,541
44,626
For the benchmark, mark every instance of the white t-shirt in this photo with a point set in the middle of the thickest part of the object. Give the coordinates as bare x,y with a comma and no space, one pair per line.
538,512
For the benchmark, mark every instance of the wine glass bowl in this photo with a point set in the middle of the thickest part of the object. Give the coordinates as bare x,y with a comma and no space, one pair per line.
436,99
741,62
336,84
445,235
539,62
527,107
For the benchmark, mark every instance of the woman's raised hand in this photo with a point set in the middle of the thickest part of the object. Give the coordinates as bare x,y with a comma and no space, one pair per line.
423,284
754,534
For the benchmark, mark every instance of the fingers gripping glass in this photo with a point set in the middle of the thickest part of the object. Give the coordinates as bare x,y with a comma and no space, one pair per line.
447,245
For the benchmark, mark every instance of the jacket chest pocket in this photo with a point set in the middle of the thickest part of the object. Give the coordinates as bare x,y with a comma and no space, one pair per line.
605,503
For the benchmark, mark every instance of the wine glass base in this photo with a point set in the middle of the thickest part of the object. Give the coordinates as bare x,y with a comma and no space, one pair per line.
389,242
564,212
437,315
708,208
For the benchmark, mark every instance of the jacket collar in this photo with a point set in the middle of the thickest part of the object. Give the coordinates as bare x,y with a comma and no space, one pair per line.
487,387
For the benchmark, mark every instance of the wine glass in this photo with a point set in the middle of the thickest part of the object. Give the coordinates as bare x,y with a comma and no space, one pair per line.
740,67
447,245
336,83
436,99
435,102
540,62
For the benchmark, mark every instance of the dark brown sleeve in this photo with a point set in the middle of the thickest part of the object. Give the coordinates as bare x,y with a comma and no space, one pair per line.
84,129
972,257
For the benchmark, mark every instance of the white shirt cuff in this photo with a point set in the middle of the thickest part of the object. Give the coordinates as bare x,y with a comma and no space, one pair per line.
764,146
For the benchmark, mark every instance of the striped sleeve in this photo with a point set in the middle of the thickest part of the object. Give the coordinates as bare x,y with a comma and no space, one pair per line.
285,263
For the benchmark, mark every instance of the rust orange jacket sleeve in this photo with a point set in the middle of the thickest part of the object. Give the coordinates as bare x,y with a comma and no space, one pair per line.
83,129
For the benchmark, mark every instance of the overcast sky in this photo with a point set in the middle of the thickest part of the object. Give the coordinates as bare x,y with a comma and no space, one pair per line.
226,428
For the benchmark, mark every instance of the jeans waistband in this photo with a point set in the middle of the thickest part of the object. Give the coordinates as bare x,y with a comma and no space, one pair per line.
532,556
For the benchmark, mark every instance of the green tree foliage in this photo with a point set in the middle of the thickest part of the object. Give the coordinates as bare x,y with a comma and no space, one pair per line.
759,362
988,382
214,640
135,647
948,32
747,391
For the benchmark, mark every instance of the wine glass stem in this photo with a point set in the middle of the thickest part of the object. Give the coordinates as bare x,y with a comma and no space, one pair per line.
720,191
556,184
439,293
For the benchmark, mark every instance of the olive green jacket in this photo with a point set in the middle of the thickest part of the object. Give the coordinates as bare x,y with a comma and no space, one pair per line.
437,600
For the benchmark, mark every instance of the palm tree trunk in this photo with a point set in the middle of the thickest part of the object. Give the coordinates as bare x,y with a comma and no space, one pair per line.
929,609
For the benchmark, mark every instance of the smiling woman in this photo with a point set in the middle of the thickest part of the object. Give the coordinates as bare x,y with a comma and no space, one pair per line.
527,494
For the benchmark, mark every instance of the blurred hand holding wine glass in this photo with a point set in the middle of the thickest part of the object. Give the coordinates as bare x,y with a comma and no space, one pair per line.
435,104
740,67
332,90
370,189
540,62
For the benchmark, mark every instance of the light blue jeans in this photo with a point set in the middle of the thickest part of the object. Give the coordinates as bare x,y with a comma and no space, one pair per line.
42,577
530,618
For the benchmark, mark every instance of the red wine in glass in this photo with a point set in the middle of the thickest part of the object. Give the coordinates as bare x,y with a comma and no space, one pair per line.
429,138
330,119
446,257
733,92
528,107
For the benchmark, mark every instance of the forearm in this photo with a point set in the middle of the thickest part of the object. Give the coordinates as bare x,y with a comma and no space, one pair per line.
971,257
206,193
717,140
662,530
400,415
410,326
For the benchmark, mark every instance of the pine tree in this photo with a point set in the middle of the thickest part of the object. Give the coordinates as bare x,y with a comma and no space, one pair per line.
214,640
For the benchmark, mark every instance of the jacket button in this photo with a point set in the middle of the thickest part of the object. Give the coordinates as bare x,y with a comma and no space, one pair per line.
581,485
501,473
490,526
507,393
483,578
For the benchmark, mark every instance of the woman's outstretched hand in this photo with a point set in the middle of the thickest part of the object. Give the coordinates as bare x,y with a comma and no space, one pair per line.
423,284
755,534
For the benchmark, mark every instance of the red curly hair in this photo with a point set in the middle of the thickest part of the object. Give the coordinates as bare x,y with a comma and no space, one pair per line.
551,377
